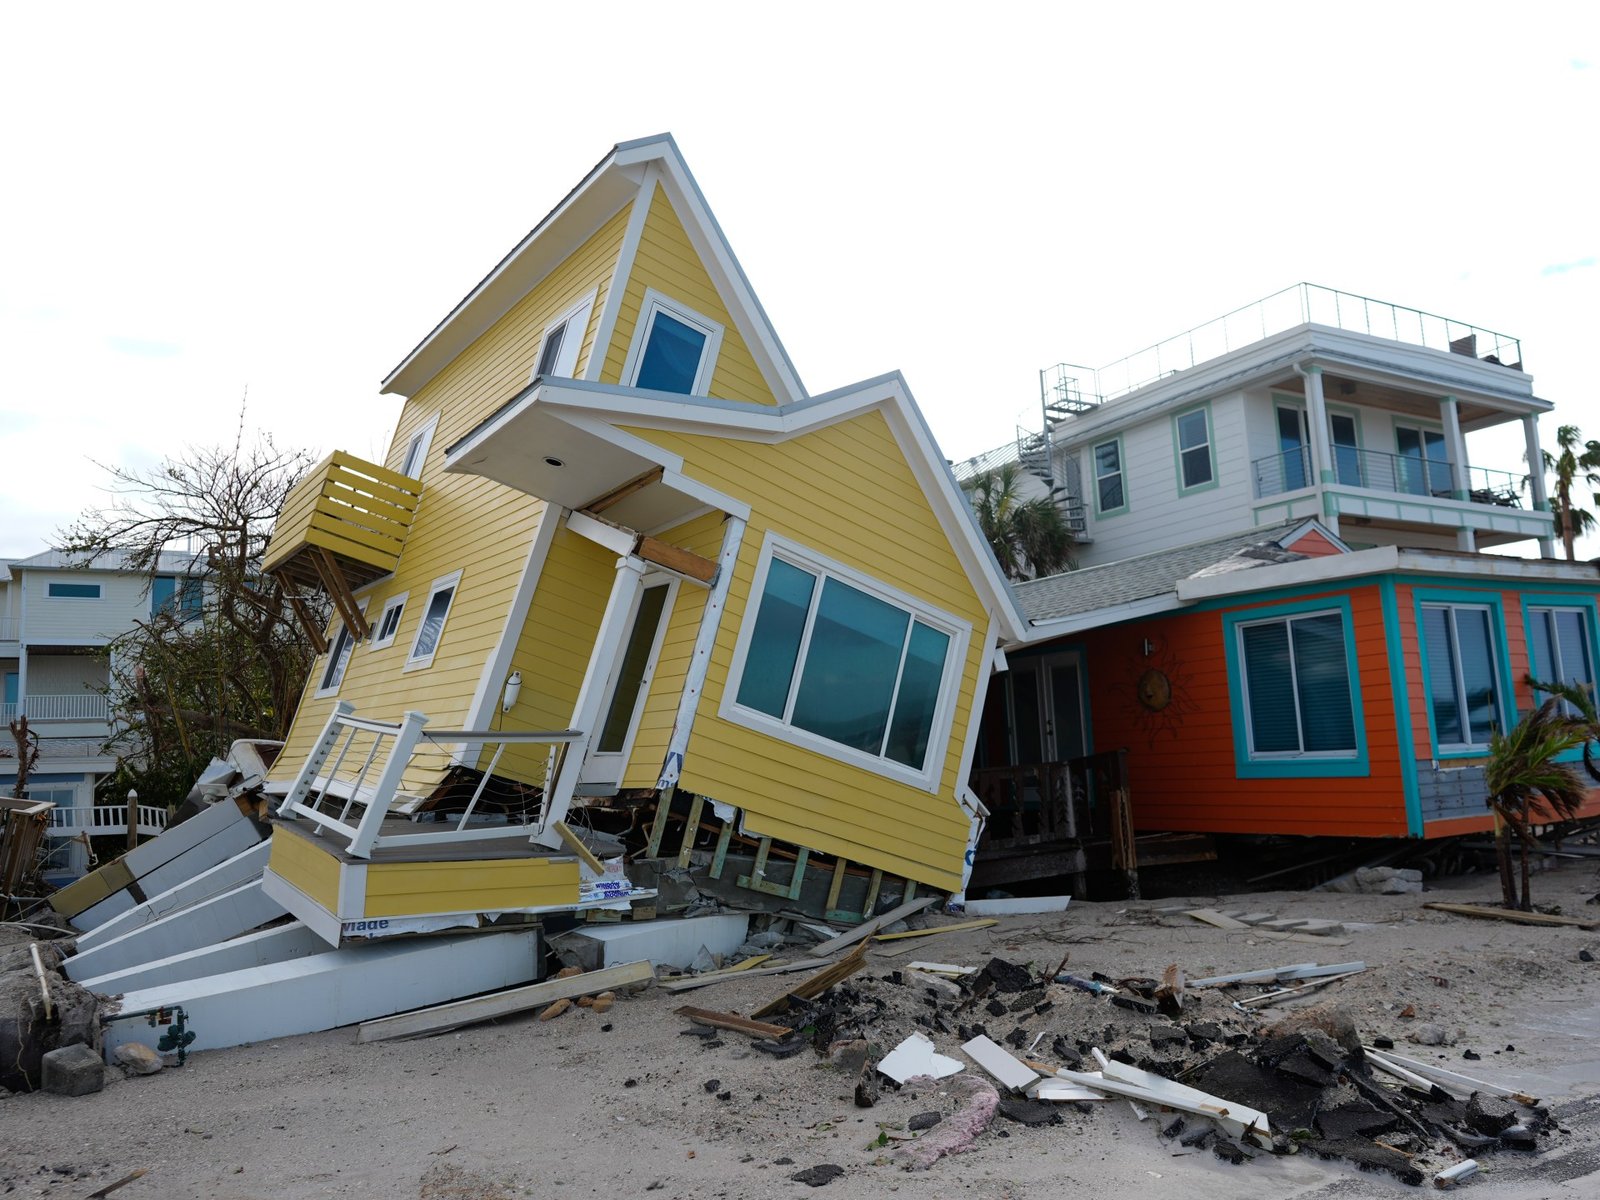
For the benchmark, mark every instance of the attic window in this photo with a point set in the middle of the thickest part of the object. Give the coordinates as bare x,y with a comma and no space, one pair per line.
674,349
563,338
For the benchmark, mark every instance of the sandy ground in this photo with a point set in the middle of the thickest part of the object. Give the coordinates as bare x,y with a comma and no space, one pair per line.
617,1104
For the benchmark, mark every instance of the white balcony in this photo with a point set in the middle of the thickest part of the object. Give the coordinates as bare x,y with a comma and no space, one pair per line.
105,820
76,706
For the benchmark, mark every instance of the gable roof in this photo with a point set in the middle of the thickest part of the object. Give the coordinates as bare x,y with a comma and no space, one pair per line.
1104,590
627,172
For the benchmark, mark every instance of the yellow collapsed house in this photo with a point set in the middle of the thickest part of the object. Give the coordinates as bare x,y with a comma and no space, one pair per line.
616,548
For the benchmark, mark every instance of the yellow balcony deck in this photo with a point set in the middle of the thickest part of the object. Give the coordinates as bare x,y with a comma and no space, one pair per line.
342,527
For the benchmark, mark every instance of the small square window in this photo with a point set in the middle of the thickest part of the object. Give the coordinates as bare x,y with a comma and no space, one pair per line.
389,620
430,630
674,349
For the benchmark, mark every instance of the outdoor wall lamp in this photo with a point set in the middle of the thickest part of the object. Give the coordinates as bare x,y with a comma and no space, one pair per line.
513,689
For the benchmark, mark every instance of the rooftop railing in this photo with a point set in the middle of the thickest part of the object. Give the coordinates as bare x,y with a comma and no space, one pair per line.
1071,388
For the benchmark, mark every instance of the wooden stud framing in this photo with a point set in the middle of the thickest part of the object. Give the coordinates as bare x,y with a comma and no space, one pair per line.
830,910
871,902
720,858
696,805
308,623
658,826
338,589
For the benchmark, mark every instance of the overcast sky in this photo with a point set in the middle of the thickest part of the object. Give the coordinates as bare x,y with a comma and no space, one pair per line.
204,200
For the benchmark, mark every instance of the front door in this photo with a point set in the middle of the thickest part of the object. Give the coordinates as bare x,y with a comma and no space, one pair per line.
1047,710
629,685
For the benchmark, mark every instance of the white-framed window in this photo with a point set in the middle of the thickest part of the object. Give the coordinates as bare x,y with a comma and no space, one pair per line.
1559,649
61,590
181,597
840,663
674,348
339,651
389,621
1296,676
430,629
1111,493
1191,434
563,338
417,444
1459,652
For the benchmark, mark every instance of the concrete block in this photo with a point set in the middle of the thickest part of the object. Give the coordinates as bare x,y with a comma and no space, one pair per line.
73,1071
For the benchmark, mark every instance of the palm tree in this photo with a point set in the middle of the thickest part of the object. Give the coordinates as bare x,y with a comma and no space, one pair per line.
1579,460
1526,782
1029,537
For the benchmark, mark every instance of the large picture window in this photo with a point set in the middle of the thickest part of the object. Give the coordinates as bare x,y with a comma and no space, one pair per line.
1459,652
1294,691
1561,650
838,661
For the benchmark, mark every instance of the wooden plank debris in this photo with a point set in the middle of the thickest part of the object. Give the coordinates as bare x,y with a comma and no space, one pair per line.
443,1017
818,983
1300,971
1487,913
867,928
994,1059
934,968
1061,1090
983,923
1237,1119
1222,921
692,982
734,1022
1269,998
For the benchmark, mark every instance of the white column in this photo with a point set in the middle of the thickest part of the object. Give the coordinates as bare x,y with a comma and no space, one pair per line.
1322,472
1541,501
608,643
1460,484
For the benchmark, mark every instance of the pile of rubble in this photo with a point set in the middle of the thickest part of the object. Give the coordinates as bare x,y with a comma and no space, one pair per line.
1055,1042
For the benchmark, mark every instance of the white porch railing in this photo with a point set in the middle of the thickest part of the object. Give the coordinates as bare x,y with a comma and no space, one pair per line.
364,761
105,820
79,706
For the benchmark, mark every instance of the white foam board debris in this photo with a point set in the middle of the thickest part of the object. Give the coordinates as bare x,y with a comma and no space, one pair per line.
934,968
1237,1119
916,1056
1060,1089
994,1059
1016,906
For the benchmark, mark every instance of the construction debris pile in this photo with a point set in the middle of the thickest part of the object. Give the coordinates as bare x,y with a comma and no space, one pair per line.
1007,1040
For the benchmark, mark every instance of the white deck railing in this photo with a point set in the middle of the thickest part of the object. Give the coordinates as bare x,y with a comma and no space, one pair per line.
105,820
77,706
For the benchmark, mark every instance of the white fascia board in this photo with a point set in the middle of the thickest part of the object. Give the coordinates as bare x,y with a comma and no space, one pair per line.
709,242
1327,569
610,537
1042,631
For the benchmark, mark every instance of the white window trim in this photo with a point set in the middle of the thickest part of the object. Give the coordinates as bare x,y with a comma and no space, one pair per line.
1120,473
1454,647
574,320
333,690
389,605
422,438
655,302
99,595
1209,446
1294,686
452,580
957,630
652,661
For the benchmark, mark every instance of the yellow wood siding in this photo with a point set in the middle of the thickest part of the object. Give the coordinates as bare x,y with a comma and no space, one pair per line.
667,261
846,492
484,885
310,868
463,522
554,646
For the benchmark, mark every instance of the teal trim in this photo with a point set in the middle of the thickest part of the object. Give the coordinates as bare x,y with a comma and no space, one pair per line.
1493,601
1211,450
1304,766
1122,473
1591,613
1405,736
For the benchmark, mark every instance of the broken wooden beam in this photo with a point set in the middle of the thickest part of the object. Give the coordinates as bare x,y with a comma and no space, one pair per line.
867,928
820,982
443,1017
983,923
734,1022
676,558
714,977
1487,913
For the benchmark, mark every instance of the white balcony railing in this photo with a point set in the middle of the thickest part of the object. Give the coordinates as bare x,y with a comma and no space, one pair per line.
105,820
78,706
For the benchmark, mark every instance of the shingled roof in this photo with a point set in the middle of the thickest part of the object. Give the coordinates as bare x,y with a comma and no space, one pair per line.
1074,593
